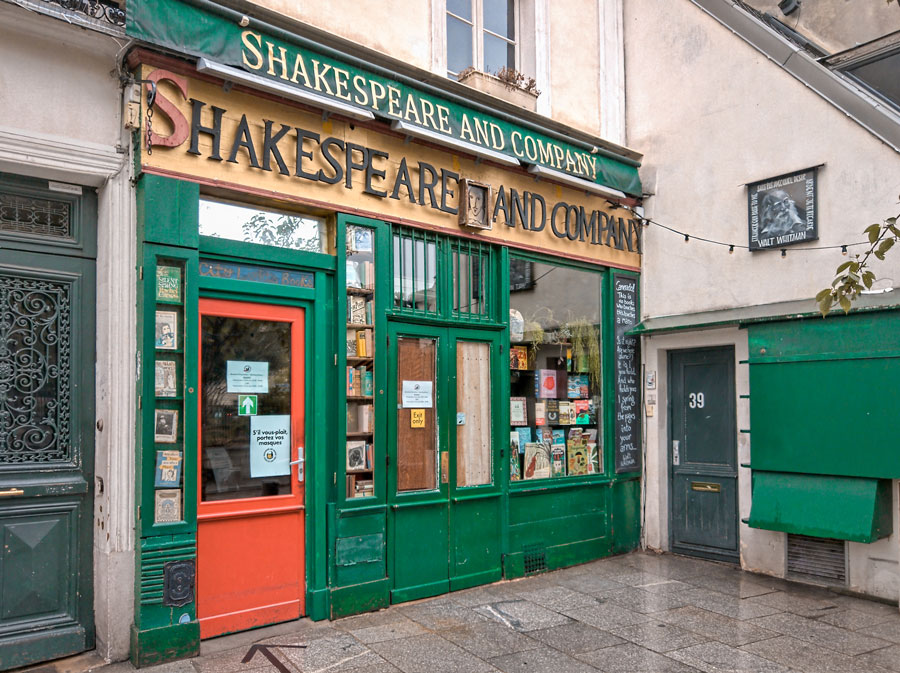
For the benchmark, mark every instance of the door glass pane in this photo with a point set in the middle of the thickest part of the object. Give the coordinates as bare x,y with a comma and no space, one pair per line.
459,45
416,420
473,413
257,354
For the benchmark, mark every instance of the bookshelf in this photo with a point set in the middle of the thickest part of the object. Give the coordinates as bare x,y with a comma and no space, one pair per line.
359,449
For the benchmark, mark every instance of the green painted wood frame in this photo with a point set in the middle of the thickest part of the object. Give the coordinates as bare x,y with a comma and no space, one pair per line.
168,226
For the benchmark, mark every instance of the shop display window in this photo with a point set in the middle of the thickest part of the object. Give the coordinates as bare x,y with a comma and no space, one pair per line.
360,291
415,271
555,371
249,224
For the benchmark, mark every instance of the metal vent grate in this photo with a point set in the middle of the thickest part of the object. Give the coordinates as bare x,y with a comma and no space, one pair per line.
535,558
821,558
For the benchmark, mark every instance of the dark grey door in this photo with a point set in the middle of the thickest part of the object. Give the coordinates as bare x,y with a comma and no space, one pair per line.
703,454
47,249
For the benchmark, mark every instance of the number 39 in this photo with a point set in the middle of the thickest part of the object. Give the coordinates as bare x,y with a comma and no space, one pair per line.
695,400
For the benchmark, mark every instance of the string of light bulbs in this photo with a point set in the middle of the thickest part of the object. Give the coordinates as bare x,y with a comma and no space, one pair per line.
646,221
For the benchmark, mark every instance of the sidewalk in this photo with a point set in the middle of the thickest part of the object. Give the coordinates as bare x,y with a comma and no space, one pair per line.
637,613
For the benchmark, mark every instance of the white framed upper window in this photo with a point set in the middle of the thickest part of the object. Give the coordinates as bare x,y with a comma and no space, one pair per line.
482,34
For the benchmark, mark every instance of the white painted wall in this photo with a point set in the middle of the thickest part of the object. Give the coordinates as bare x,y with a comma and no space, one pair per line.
63,123
711,114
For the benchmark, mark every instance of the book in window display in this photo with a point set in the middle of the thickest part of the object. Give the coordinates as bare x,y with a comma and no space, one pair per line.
356,456
545,383
518,411
164,375
537,460
518,358
166,330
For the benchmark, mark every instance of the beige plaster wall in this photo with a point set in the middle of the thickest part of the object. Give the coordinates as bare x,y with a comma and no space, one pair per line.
710,115
398,28
836,25
569,40
58,84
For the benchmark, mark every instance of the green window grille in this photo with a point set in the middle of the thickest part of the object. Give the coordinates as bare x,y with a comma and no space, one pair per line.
471,263
416,274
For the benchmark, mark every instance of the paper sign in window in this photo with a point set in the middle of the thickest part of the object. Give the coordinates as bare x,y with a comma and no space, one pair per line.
417,395
247,377
270,446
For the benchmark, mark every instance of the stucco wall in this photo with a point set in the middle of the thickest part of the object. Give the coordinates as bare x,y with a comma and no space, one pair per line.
836,25
710,115
567,73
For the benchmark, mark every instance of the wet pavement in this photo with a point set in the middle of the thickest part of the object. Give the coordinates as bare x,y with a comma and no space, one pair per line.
638,613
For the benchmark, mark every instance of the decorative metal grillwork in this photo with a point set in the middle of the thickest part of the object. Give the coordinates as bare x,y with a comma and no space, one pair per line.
35,350
24,215
535,558
97,10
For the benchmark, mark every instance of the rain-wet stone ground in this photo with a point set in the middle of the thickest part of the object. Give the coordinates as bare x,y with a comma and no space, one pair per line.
638,613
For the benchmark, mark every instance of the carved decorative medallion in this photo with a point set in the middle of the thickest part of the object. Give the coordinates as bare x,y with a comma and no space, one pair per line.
35,353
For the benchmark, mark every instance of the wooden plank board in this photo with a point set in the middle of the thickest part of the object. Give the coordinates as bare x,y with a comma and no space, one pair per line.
416,447
473,399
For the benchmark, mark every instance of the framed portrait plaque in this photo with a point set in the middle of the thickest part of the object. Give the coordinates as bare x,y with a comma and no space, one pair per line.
782,210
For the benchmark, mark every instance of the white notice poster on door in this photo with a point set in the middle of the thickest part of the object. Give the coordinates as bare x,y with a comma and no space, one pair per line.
270,446
417,395
247,377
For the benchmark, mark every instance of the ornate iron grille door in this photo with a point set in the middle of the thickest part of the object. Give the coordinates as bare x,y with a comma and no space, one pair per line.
46,419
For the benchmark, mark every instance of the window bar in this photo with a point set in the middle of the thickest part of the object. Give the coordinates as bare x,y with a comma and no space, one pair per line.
469,283
414,279
456,281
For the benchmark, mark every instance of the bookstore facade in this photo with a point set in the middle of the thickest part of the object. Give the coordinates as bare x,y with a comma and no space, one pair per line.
383,350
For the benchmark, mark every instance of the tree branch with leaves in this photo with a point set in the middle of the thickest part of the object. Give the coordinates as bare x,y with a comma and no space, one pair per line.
855,275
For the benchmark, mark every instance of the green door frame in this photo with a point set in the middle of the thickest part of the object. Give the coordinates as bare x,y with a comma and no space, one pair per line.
447,510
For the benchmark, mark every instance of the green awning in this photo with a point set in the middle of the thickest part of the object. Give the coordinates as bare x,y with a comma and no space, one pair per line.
844,508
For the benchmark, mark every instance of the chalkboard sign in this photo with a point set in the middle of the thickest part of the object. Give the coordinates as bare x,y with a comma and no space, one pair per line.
627,403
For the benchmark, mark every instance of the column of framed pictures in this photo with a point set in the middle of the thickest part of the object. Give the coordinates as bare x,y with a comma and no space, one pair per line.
168,414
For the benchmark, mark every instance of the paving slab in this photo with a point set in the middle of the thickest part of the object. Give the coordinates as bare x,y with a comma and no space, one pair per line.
636,613
659,636
430,654
522,615
575,638
721,658
808,658
715,626
490,639
630,658
540,661
819,633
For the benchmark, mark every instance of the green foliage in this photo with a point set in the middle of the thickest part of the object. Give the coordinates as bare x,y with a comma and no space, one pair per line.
854,276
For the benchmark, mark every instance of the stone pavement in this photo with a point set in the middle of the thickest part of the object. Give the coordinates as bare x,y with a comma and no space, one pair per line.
638,613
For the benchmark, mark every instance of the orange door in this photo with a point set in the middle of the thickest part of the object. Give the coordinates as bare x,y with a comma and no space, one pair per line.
250,534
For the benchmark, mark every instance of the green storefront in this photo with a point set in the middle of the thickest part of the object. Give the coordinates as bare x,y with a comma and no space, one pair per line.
380,361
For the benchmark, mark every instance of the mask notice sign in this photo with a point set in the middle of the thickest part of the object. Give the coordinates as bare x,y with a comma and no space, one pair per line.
270,446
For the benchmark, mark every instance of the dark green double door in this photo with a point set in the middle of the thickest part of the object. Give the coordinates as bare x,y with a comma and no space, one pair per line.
444,460
47,249
703,454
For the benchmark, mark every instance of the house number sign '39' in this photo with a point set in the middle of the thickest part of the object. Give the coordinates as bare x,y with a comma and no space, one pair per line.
695,400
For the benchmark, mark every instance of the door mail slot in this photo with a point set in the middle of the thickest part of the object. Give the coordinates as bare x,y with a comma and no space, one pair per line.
706,486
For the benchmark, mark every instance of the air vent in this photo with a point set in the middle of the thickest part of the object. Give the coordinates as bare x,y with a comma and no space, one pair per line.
535,558
817,558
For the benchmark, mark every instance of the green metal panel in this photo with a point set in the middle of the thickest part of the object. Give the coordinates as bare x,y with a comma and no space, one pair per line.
625,527
475,541
822,395
168,211
844,508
